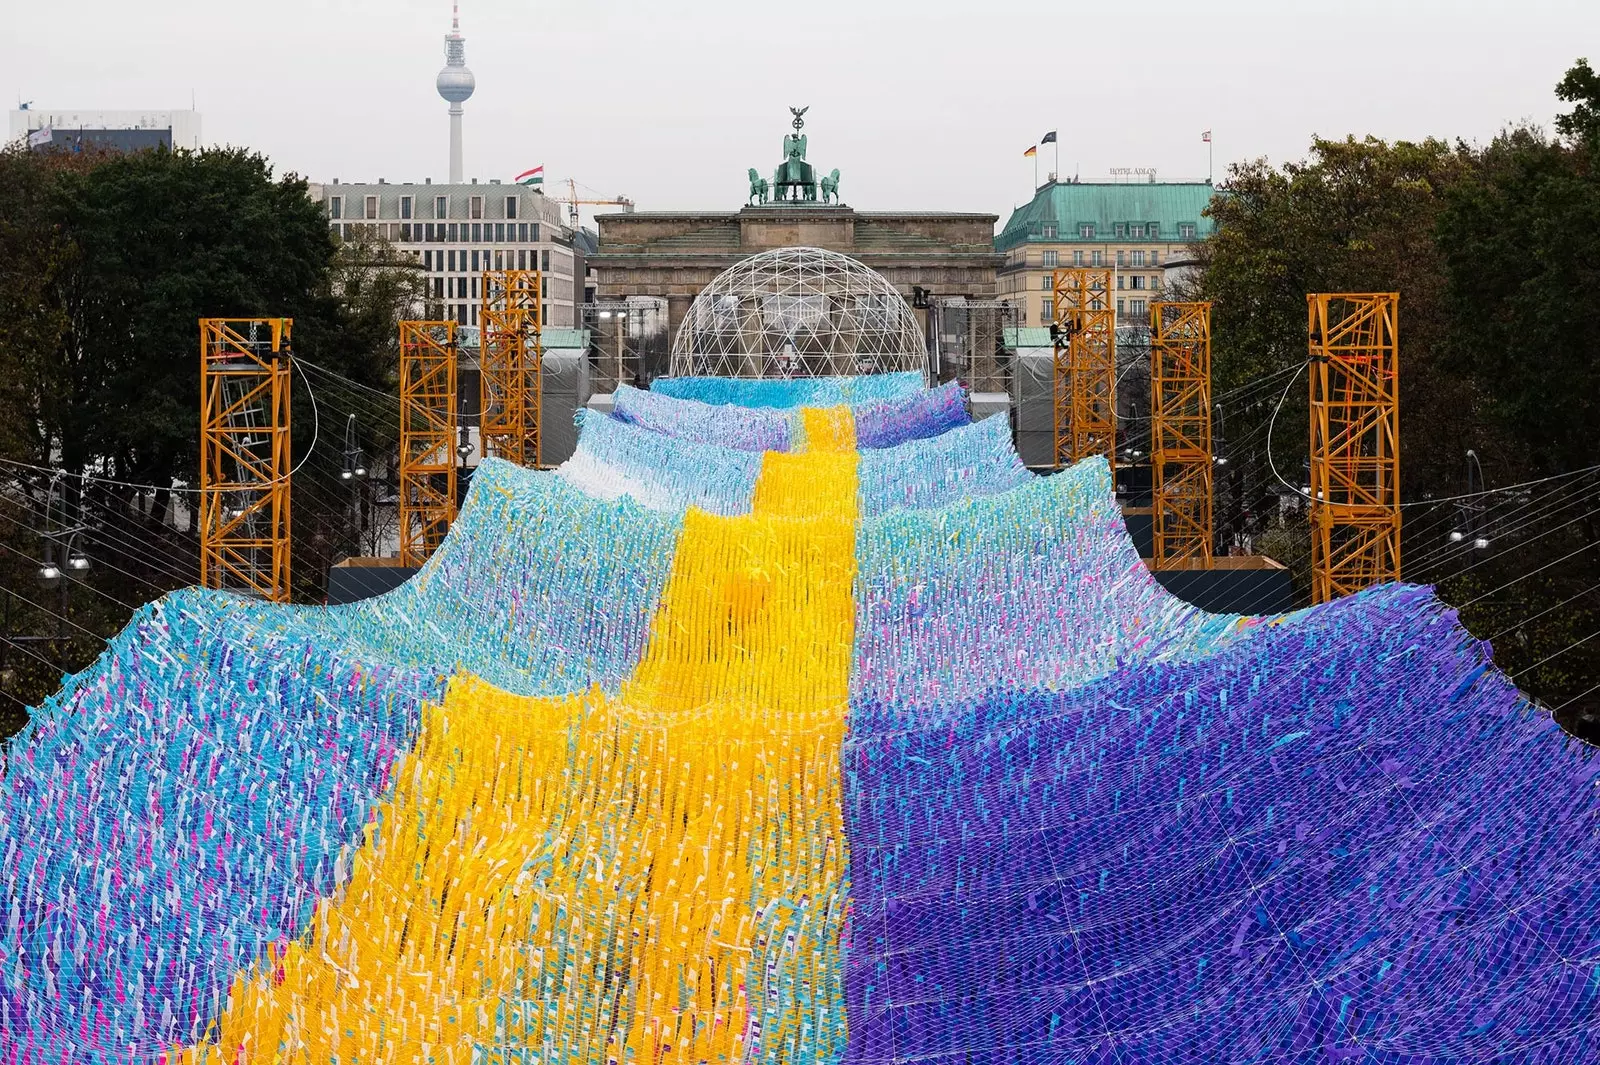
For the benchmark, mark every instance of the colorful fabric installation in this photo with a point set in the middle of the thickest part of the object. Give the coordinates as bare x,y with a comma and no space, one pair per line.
777,730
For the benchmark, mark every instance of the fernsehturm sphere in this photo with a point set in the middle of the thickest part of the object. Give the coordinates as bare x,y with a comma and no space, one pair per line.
455,85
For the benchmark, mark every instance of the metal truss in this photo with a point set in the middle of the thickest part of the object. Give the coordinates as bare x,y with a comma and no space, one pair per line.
511,366
628,341
1355,442
1084,337
1180,434
799,312
427,437
971,337
244,455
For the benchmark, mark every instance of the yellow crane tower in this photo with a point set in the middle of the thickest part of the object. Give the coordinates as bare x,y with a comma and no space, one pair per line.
572,200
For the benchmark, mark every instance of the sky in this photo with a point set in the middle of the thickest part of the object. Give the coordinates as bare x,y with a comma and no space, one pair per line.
921,106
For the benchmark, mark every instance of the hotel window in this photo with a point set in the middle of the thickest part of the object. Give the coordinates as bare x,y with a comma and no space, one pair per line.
1138,258
438,288
1119,308
1186,230
499,261
1047,310
450,257
441,206
477,207
1121,229
511,207
1138,281
1155,258
522,232
1086,230
1077,258
336,207
1122,258
533,232
545,257
1052,258
474,260
405,232
1120,279
1138,306
499,232
1049,232
453,231
405,207
1153,230
1045,282
522,259
1099,258
371,207
475,279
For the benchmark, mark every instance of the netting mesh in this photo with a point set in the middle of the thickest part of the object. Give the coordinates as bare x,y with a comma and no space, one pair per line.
870,748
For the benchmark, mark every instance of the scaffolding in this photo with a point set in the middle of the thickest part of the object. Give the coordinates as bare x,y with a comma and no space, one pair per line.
1180,434
972,343
427,437
244,455
511,366
1355,442
1083,334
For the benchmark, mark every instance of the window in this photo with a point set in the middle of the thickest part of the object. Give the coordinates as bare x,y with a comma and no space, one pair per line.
371,205
1122,258
522,232
453,231
1121,229
427,232
1119,308
335,206
441,206
1138,306
450,257
475,279
1047,311
474,260
545,256
1077,258
405,232
1045,283
438,288
1153,230
1137,281
1086,230
1138,258
499,261
1120,279
1186,230
533,232
1049,232
1155,258
477,207
405,207
522,259
511,207
544,287
1051,258
1099,259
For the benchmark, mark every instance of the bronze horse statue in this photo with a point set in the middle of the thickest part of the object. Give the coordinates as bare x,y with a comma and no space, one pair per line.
758,187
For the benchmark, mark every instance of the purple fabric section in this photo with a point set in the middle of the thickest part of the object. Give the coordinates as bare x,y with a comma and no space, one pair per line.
912,417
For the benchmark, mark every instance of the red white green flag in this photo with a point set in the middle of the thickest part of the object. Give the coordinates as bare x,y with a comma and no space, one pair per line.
531,177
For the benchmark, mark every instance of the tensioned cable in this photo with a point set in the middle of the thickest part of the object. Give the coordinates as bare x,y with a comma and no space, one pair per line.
1530,573
1555,655
1544,510
1534,617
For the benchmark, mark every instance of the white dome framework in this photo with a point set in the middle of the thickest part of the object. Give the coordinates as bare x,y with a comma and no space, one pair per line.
799,312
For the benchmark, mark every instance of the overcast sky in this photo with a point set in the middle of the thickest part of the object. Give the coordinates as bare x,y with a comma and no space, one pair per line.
926,105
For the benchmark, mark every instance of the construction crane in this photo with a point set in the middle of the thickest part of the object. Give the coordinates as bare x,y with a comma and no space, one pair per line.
572,200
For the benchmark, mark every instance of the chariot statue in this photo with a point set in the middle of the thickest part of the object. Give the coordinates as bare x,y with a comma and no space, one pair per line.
795,180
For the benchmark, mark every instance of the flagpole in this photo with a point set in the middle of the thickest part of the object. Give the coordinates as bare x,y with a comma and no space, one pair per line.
1035,168
1211,155
1057,143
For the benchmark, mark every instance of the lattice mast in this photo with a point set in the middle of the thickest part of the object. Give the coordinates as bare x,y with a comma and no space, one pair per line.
245,455
1180,434
1355,442
428,354
1084,377
511,361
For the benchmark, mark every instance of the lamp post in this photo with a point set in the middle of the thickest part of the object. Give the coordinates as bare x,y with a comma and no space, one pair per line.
354,473
1470,525
61,561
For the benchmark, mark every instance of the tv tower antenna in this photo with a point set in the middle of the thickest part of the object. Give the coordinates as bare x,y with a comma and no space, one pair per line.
456,84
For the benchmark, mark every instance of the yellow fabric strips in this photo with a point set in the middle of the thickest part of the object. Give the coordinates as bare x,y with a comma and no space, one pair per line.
659,877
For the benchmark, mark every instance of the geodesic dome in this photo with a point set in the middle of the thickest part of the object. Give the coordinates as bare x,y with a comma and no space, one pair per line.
799,312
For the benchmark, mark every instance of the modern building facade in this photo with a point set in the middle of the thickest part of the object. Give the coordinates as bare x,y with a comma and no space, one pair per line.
457,231
121,131
1135,228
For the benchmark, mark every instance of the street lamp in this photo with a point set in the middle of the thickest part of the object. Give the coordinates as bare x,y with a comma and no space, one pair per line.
1470,512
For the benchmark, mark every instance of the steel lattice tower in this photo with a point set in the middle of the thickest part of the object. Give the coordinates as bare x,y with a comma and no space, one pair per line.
511,366
1180,433
244,455
1084,385
1355,442
427,437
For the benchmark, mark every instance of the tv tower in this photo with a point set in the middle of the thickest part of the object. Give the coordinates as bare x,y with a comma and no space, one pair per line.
455,85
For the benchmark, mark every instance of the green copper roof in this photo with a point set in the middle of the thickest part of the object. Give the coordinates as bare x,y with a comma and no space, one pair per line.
1069,206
